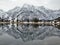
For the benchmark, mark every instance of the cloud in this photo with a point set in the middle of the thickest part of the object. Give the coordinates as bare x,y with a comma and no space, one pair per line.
9,4
53,4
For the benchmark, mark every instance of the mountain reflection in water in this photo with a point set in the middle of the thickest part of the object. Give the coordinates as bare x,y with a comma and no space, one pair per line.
30,32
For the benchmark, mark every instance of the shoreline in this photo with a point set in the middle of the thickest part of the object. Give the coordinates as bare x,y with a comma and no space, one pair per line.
29,23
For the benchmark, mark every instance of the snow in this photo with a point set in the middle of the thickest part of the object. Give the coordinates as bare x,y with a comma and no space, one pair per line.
30,12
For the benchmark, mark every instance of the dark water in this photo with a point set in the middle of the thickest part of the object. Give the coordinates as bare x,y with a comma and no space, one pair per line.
29,34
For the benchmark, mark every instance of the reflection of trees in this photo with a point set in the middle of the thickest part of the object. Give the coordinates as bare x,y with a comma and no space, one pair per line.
57,26
28,32
35,25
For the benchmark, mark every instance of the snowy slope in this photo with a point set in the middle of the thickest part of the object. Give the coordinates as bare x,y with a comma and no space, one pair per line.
30,12
3,15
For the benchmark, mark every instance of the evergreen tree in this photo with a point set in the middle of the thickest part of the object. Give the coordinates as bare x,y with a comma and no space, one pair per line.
35,20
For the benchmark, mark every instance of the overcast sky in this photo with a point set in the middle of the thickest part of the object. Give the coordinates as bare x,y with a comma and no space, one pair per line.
9,4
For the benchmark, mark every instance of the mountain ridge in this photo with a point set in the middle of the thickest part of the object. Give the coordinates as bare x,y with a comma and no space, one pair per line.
33,12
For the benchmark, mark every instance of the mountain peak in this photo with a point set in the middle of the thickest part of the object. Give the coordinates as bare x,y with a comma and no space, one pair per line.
17,7
42,7
27,5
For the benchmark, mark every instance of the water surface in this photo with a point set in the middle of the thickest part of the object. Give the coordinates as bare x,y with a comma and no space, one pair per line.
29,35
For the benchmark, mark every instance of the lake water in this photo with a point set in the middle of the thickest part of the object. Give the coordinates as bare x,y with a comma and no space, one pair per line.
29,35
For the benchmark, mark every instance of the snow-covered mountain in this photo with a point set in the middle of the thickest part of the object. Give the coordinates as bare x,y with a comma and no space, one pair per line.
13,12
3,15
30,12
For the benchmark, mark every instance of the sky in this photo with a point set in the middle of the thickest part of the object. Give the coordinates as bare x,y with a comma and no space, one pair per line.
10,4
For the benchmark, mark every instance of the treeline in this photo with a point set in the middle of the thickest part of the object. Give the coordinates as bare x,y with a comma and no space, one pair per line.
27,20
4,20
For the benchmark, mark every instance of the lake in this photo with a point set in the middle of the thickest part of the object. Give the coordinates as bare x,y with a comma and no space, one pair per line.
27,34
